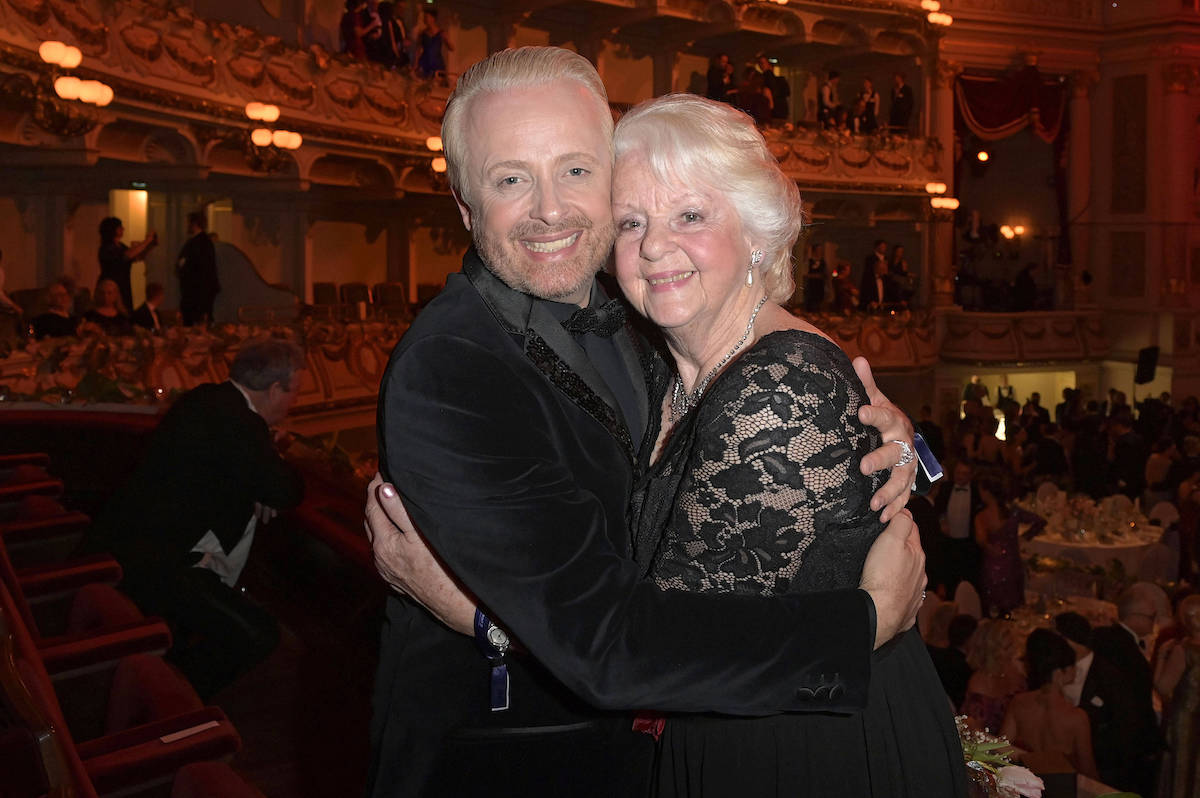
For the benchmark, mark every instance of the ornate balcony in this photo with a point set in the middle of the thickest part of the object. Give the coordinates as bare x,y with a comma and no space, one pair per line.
1022,337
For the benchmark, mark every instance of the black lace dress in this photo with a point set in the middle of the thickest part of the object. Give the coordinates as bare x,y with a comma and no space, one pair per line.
758,491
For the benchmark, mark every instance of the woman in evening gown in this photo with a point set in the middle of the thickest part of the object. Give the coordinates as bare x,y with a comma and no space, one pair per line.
754,484
1177,679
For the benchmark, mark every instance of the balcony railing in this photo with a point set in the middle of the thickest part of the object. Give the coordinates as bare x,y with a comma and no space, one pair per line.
827,156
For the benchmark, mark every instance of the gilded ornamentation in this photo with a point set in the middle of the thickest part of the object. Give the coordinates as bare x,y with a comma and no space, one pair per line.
188,57
90,33
1179,77
945,72
247,70
290,83
36,11
386,104
142,41
1083,81
345,93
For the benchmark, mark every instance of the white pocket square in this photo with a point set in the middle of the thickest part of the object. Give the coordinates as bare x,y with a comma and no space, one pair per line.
1097,701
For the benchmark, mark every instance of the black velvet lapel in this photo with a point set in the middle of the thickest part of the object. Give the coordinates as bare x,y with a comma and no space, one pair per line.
555,353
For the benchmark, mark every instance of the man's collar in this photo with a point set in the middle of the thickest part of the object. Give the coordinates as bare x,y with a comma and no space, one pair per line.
245,394
1136,637
511,307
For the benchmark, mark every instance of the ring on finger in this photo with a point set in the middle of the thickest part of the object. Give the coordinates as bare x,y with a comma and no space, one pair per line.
906,453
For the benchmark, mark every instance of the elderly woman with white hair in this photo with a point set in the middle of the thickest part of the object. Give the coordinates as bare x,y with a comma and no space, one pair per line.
754,482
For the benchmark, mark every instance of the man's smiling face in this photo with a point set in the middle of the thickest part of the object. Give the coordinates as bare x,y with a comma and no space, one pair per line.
539,169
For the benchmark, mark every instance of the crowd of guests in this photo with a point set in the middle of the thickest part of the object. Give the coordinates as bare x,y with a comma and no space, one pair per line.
1087,694
759,92
863,114
886,282
373,30
66,309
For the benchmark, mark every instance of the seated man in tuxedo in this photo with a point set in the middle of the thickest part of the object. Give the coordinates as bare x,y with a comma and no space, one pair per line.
1134,765
182,525
57,321
146,315
1099,691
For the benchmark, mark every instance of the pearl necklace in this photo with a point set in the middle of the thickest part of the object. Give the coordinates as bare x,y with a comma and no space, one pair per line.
681,400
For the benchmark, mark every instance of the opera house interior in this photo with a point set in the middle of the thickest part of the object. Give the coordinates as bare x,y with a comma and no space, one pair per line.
1002,215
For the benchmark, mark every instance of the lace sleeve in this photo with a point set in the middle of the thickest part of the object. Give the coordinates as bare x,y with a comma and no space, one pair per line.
772,482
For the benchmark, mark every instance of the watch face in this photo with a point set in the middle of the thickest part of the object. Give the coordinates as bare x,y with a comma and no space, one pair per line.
497,637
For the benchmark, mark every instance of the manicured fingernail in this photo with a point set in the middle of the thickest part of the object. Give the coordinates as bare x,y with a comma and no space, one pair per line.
388,491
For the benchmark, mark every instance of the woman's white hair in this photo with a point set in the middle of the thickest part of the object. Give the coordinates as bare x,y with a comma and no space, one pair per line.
520,68
689,139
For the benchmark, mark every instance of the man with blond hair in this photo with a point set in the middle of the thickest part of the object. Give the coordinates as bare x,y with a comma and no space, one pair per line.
510,420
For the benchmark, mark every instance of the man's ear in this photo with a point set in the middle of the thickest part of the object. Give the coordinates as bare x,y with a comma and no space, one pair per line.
463,208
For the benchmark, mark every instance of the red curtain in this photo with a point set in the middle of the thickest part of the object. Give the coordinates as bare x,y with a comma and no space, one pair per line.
996,107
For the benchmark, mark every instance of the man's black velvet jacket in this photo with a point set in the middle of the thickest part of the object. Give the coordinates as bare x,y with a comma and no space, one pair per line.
514,463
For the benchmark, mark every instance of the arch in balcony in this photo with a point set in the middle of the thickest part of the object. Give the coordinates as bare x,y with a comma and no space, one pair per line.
720,12
343,170
232,156
898,42
839,33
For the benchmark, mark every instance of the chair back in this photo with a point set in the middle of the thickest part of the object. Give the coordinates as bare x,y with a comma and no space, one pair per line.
325,294
353,293
967,599
1165,513
1159,564
8,577
26,690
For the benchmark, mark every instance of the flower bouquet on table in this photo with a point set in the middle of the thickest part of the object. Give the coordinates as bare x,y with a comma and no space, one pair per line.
990,771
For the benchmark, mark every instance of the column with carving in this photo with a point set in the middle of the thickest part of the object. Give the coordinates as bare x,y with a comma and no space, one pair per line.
941,116
1079,187
1178,128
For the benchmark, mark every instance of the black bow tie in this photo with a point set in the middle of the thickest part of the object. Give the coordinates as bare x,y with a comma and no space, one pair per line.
603,321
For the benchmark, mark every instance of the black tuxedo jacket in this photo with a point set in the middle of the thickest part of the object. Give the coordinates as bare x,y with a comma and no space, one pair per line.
1136,728
143,318
197,267
943,503
515,463
210,459
1109,705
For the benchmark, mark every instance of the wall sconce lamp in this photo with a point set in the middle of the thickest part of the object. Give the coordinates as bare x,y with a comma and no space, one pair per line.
935,188
938,18
944,203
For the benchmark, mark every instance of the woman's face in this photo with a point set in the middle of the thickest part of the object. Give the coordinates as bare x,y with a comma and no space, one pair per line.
681,252
109,294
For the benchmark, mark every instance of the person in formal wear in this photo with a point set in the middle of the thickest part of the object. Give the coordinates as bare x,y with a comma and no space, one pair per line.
434,43
1041,719
828,103
108,314
901,108
57,321
392,50
196,269
874,289
754,483
780,91
1097,689
182,525
754,97
901,275
1126,456
146,315
997,524
995,675
957,505
717,80
511,416
355,27
117,259
947,642
1124,645
1177,679
870,100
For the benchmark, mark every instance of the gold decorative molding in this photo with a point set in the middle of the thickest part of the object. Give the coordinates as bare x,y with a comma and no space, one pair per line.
945,72
1179,77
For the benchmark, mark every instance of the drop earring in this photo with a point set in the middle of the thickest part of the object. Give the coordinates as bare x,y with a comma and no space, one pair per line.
755,259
